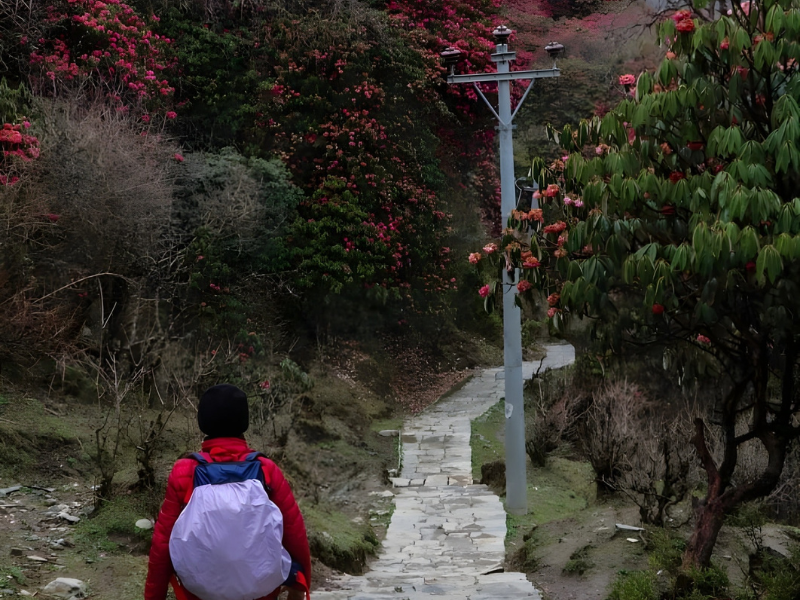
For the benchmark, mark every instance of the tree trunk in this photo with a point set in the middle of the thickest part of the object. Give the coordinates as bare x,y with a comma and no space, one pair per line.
710,516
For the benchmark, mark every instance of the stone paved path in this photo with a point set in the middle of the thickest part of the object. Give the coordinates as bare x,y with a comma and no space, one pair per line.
446,539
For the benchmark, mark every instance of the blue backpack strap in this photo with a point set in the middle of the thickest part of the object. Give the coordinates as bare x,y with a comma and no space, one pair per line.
199,458
254,456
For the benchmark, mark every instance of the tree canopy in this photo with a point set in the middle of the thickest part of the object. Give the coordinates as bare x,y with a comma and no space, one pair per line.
675,219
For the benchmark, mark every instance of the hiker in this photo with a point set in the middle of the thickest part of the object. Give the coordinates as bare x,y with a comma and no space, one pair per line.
208,549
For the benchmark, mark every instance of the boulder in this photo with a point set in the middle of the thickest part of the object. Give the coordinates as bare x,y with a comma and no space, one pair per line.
65,588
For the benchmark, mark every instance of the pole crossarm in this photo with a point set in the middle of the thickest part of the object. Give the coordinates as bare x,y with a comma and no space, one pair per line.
512,76
489,104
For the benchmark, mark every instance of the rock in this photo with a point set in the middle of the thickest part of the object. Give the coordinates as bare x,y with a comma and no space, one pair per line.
66,588
493,474
50,501
389,433
25,593
144,524
68,517
16,552
383,494
9,490
36,558
632,540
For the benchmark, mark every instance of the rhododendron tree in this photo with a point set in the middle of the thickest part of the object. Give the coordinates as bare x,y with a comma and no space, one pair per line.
107,43
688,236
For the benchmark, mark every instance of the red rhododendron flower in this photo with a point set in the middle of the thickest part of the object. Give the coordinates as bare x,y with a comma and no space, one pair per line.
695,145
724,44
531,263
523,286
676,176
536,214
667,210
658,309
178,157
171,114
264,385
703,339
750,266
9,136
490,248
484,291
681,15
552,312
551,191
627,79
553,299
555,227
474,257
685,26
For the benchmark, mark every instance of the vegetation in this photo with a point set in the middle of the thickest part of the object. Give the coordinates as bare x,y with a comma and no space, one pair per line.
672,222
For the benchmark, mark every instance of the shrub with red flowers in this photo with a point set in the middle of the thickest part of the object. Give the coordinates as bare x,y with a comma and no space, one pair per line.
688,237
106,43
17,147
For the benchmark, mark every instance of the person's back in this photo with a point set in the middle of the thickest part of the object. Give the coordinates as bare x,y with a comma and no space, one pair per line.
224,417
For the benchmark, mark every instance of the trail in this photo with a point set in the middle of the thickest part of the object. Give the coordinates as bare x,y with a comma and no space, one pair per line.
446,537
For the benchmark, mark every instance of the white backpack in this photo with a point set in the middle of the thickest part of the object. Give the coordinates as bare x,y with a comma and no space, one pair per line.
227,542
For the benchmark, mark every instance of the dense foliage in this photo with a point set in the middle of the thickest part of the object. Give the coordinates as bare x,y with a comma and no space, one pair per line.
675,220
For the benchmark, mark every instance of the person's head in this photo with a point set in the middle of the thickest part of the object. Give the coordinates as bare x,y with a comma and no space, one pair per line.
223,411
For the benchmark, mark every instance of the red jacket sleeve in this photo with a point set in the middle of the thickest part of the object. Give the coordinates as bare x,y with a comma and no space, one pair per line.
159,570
295,539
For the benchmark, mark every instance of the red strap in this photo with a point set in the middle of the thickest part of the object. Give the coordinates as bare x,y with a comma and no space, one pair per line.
180,593
300,579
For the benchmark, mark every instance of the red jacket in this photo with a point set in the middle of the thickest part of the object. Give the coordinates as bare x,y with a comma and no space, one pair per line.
180,481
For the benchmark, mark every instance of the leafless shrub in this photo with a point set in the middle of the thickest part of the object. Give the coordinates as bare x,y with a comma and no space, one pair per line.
110,187
553,403
608,429
659,470
114,388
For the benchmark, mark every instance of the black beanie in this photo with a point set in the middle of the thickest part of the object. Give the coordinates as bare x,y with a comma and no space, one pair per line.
223,411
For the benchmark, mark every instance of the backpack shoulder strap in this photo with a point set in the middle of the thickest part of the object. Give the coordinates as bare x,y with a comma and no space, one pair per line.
199,458
254,456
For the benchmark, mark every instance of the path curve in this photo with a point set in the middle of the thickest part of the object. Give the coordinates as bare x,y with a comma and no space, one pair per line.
447,535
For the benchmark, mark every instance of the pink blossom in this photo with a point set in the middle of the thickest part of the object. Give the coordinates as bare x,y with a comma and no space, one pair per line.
171,114
627,79
178,157
474,257
523,286
264,385
703,339
552,312
484,291
568,201
490,248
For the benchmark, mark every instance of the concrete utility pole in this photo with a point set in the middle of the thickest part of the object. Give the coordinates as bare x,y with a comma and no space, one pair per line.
516,478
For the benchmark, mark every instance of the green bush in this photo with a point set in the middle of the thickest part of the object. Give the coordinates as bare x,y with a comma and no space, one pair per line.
634,585
667,550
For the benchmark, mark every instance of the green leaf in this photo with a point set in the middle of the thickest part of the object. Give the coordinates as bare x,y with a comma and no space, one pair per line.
769,262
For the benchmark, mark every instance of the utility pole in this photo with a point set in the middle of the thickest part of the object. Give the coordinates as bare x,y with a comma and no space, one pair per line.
516,476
